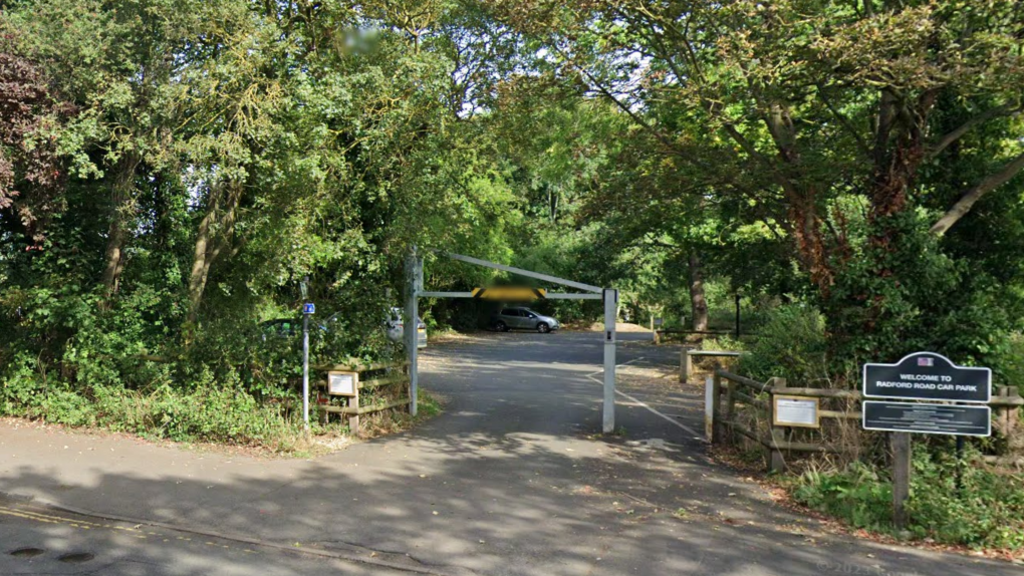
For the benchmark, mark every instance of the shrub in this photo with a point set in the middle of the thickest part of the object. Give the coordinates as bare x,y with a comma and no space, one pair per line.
987,511
790,344
1008,360
857,494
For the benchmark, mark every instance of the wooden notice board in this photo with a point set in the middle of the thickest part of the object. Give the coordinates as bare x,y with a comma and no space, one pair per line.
796,411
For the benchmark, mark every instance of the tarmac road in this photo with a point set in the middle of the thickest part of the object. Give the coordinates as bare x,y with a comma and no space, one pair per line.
39,540
514,478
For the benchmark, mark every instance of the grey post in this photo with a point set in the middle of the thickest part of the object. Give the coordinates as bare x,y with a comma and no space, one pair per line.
305,369
611,300
305,354
414,284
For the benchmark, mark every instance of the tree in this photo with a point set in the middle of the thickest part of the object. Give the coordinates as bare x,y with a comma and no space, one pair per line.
831,110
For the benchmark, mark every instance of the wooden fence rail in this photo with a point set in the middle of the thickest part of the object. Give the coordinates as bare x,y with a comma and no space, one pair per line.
731,393
386,376
686,357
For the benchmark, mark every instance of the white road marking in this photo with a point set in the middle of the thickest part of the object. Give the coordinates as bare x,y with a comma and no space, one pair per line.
696,435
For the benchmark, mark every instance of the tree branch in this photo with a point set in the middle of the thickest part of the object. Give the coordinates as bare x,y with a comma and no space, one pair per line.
657,134
844,121
964,204
964,128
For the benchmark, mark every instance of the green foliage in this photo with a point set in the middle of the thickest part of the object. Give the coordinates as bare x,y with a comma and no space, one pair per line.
858,495
791,343
985,512
727,343
211,154
1008,361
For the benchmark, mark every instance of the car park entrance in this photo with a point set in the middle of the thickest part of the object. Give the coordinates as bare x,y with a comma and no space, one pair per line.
610,296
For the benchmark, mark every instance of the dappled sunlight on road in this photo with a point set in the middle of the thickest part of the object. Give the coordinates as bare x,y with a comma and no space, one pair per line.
512,479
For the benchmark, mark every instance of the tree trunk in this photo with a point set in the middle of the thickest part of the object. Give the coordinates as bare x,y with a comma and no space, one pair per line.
698,305
215,233
123,197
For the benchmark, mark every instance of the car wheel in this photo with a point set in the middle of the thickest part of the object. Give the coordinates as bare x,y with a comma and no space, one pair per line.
543,328
501,326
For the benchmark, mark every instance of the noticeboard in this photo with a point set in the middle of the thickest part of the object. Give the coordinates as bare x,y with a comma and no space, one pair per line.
342,383
927,376
797,411
947,419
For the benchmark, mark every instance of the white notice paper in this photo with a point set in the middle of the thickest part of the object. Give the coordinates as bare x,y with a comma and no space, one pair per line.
793,411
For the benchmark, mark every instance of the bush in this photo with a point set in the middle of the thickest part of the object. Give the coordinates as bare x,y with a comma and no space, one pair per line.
986,512
790,344
857,494
1008,361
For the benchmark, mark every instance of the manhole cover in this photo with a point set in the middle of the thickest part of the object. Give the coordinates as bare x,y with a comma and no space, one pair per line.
27,552
76,557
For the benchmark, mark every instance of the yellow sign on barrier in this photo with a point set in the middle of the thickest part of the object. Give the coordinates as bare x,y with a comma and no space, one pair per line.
510,293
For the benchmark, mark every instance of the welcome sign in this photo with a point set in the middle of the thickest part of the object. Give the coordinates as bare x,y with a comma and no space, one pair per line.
928,376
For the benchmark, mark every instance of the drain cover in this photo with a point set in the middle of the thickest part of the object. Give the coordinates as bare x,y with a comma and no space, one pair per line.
27,552
76,557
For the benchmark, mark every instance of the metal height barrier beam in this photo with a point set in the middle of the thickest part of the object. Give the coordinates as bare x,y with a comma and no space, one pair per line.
549,296
527,273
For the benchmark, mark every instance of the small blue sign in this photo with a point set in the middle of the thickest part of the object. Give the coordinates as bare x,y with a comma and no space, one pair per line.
309,308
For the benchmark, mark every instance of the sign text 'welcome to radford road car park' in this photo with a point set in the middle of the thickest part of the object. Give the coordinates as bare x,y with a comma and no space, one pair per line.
928,376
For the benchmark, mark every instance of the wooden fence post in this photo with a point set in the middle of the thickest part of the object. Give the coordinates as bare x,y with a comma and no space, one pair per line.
730,407
718,427
1002,420
1015,442
776,435
901,453
684,366
353,419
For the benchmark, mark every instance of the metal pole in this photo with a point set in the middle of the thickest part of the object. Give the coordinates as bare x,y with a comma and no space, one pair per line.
960,466
737,315
414,283
305,369
611,300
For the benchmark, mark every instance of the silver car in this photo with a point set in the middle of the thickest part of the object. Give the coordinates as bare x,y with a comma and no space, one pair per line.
396,328
523,319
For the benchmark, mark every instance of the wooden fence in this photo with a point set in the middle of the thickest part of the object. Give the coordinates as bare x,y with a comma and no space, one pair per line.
739,406
379,386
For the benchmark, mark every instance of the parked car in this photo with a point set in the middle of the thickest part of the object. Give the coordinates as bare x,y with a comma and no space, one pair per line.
281,328
396,328
287,328
523,319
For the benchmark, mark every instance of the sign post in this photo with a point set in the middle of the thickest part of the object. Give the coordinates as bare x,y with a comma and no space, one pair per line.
900,477
308,309
924,379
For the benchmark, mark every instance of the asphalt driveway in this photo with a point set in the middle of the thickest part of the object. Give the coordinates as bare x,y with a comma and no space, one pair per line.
514,478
